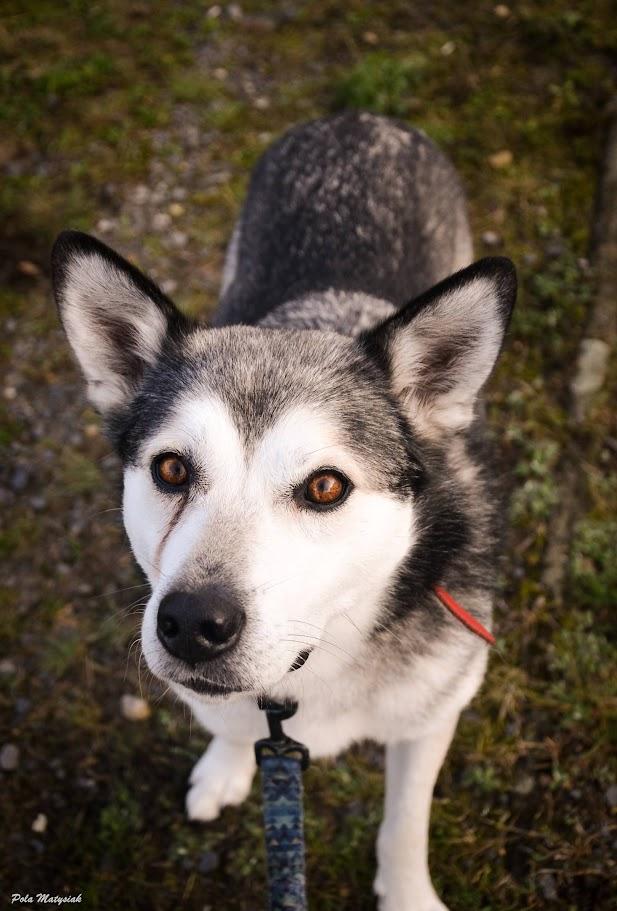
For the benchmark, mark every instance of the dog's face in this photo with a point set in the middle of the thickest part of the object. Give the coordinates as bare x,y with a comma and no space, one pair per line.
272,478
260,507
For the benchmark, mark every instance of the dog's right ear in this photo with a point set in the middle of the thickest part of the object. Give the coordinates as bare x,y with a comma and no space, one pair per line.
115,318
441,348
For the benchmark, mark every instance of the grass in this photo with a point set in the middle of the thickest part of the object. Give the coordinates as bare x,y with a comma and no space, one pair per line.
98,99
382,83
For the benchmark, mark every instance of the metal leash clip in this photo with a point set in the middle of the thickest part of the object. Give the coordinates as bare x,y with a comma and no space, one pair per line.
278,743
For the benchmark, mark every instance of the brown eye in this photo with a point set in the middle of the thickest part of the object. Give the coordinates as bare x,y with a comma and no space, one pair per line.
326,488
169,470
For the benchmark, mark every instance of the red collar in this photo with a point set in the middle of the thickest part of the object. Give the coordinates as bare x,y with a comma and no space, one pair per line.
464,616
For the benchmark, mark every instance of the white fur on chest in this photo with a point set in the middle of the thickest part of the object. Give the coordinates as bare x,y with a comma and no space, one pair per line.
353,706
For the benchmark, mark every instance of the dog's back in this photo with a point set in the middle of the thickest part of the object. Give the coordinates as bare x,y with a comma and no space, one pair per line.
355,203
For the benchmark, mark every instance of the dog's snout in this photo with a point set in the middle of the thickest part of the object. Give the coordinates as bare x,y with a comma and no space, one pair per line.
200,625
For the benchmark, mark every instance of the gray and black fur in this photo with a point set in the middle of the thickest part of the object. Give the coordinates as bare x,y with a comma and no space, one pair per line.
350,206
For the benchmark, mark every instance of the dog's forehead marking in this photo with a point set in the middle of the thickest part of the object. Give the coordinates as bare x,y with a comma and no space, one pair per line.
207,426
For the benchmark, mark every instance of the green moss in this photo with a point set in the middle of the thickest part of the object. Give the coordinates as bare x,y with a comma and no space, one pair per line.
594,564
193,89
381,83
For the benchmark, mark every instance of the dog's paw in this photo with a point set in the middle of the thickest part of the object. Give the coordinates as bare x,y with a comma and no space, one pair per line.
406,896
410,904
222,777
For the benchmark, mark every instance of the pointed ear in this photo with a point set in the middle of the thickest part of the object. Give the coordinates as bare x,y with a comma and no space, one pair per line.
441,349
115,318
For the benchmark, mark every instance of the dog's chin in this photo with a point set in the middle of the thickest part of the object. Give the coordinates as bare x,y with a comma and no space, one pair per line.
205,687
209,690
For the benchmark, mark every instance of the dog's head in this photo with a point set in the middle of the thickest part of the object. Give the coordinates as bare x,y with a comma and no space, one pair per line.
271,477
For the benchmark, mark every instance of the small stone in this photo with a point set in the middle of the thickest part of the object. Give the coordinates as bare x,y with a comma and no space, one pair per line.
491,239
502,11
214,12
447,49
591,369
220,73
524,785
7,667
208,862
192,136
9,393
178,193
262,103
9,757
38,504
19,479
92,430
134,708
169,286
370,38
161,221
530,258
27,267
141,194
548,887
176,210
501,159
234,11
611,796
178,239
88,784
40,824
105,225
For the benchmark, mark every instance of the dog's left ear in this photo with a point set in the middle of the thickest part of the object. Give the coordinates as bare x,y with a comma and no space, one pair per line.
117,321
441,348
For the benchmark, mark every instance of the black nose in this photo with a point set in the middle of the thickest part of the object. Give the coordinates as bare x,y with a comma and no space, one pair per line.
201,625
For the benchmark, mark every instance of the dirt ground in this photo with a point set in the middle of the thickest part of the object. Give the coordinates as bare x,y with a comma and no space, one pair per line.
140,123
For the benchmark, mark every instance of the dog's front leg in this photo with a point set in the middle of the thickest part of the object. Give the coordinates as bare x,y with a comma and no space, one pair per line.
222,777
403,880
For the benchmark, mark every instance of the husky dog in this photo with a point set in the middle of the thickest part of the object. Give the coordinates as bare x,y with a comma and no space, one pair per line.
299,477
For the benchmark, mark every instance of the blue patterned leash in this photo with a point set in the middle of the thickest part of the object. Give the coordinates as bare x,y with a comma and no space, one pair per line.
282,761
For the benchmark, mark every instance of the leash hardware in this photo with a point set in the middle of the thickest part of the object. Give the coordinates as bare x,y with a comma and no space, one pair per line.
278,743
